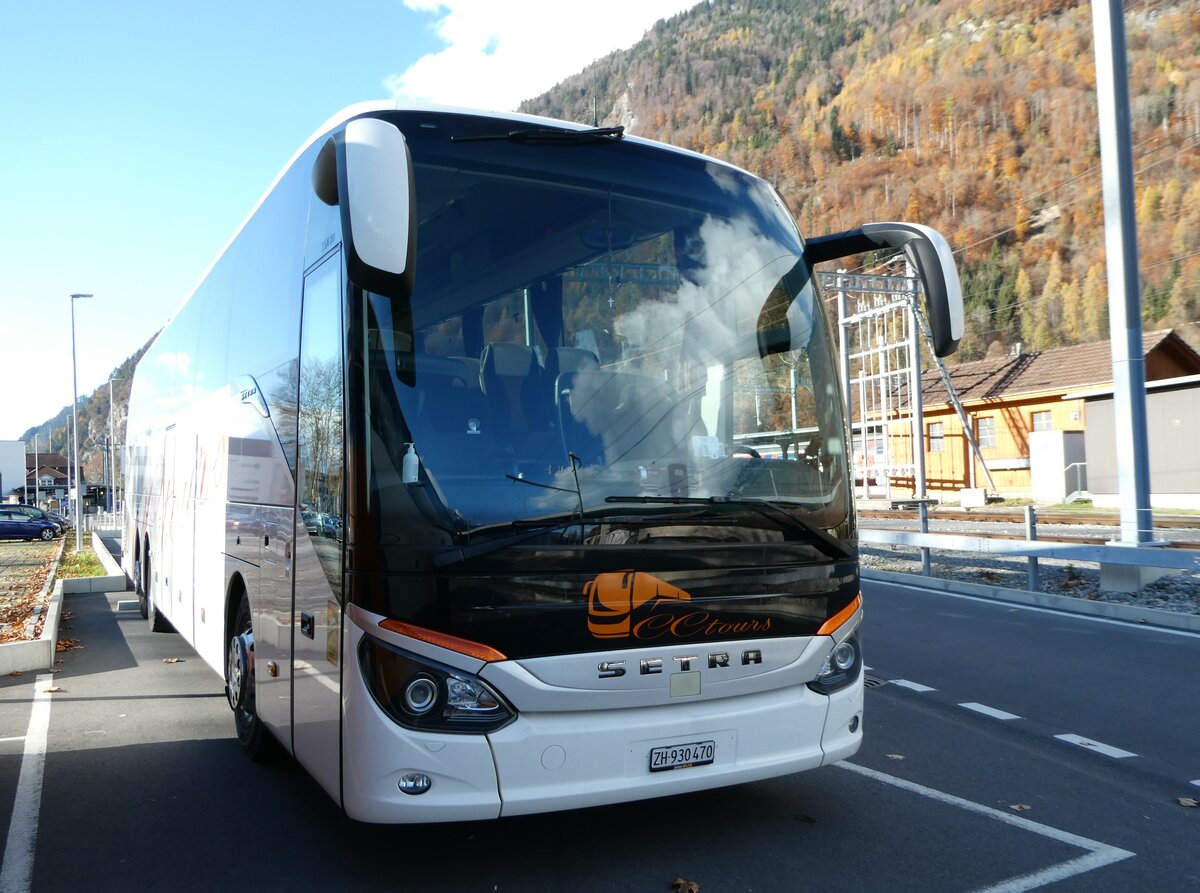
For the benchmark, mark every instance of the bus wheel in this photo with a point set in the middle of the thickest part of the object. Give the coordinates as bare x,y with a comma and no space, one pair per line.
139,585
158,623
239,687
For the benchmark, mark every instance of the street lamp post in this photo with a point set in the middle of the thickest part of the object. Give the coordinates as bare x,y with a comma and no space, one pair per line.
75,429
112,451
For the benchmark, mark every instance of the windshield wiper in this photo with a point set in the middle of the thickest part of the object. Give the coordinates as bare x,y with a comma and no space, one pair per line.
527,530
549,135
762,506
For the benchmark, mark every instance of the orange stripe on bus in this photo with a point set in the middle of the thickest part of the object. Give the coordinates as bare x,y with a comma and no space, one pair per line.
840,617
444,640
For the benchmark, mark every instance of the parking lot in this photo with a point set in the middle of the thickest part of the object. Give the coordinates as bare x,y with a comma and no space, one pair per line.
144,787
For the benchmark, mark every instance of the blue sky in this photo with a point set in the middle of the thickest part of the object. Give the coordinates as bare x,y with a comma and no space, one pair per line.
136,136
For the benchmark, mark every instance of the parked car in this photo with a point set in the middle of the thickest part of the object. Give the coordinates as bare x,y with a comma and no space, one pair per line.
61,520
331,527
18,525
37,514
312,523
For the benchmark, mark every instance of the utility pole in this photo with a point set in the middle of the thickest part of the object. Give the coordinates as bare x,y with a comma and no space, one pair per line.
1124,293
75,428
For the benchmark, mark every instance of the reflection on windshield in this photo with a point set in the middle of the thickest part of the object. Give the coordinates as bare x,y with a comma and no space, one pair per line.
664,343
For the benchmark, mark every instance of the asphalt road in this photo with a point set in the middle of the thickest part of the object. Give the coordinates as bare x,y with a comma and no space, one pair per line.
143,786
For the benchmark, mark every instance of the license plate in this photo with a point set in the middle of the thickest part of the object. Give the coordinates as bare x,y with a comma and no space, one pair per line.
682,756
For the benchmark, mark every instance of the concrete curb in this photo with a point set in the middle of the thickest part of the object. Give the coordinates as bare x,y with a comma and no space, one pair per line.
74,585
17,657
36,654
106,559
1049,601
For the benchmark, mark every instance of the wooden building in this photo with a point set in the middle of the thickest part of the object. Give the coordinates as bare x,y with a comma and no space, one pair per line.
1007,399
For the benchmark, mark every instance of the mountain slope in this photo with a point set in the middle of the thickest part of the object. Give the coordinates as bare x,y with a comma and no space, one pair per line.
975,116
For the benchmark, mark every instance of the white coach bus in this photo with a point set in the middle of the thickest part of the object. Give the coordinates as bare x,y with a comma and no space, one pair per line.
441,467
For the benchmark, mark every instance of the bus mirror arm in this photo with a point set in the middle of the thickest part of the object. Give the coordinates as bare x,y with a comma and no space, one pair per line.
930,255
374,194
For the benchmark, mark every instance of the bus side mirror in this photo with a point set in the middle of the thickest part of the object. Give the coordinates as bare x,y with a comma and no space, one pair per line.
930,255
367,172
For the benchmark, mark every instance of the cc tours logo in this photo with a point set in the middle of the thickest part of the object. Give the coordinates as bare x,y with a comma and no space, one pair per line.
625,604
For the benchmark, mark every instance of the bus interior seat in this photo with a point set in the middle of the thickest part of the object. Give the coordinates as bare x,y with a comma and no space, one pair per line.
646,410
471,367
448,411
518,407
562,360
611,416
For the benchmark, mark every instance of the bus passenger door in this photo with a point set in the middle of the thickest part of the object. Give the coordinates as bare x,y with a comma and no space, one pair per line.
162,551
316,606
183,536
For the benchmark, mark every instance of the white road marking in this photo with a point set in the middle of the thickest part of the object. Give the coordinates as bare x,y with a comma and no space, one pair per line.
915,686
1197,782
1109,751
989,711
16,875
1098,854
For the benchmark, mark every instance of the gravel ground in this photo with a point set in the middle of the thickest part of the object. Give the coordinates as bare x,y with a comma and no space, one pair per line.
1178,592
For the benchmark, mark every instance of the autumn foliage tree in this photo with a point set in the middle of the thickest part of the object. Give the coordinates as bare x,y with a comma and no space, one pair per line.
977,117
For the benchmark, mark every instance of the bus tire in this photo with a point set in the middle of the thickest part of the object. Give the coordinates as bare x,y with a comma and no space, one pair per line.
139,585
252,734
158,622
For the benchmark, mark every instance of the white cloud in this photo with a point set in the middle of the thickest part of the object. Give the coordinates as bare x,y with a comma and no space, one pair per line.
501,52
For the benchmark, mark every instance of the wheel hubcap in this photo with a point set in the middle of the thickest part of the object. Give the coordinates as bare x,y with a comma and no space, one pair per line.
241,670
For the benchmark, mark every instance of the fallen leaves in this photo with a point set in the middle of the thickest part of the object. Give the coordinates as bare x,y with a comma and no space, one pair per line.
685,886
896,756
1020,807
22,581
52,689
1189,801
68,645
172,660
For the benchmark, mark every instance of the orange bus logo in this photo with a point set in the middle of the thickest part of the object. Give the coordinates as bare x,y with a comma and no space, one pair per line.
614,596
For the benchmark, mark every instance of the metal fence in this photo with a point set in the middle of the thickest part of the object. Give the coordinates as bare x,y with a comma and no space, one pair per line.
103,521
1115,553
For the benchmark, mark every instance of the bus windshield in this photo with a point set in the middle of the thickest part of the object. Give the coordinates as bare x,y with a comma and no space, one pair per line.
588,334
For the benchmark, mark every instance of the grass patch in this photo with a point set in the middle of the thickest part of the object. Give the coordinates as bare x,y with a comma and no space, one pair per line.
83,563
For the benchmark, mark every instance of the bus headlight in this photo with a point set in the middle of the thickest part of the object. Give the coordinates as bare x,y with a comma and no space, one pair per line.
840,668
422,694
